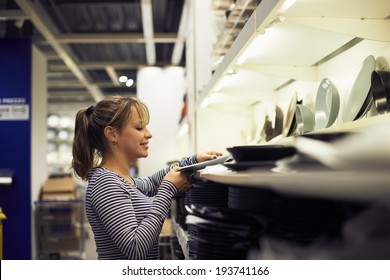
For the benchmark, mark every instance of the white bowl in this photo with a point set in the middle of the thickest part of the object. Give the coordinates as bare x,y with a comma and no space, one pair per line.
327,104
305,119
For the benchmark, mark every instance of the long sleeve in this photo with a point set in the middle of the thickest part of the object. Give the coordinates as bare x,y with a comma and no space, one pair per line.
150,185
116,207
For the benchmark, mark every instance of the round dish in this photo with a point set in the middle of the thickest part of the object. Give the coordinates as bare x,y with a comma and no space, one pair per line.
290,116
366,106
260,152
380,88
305,118
327,104
359,90
201,165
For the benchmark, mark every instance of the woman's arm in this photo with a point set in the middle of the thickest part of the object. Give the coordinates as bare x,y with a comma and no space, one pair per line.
150,185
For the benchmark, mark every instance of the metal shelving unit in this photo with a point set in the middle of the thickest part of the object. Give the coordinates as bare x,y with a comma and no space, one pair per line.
60,229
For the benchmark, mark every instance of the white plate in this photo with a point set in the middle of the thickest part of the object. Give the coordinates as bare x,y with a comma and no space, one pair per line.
201,165
359,90
327,104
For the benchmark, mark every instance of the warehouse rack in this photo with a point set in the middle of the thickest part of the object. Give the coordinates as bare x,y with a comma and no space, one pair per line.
60,229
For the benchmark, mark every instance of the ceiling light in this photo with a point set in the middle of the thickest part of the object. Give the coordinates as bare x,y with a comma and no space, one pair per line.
53,121
129,82
123,79
287,4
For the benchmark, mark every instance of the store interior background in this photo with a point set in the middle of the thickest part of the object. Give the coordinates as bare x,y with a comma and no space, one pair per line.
161,85
230,121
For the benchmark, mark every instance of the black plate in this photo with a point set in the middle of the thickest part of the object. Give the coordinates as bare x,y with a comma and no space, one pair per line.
260,152
204,164
243,165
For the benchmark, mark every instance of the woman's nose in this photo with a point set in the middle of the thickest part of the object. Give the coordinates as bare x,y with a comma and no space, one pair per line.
148,134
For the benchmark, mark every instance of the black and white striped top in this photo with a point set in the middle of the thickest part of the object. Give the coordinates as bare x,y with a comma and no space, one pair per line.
127,220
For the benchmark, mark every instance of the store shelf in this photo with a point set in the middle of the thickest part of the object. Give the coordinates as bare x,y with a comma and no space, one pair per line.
278,45
366,186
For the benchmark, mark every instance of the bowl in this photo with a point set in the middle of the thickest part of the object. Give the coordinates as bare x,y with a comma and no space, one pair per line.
380,89
305,119
327,104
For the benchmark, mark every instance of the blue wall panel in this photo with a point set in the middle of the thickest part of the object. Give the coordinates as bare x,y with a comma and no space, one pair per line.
15,148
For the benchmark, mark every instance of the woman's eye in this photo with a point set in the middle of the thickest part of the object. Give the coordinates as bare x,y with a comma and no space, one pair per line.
140,128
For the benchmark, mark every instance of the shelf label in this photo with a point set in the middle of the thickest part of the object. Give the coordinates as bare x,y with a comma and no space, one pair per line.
14,108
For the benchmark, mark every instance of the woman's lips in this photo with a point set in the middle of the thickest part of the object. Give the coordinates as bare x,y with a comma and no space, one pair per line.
145,145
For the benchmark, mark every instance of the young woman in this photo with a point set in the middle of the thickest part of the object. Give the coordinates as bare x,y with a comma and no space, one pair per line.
126,214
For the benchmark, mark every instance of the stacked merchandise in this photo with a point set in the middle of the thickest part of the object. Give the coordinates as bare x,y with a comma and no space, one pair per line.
217,233
59,188
303,220
208,194
59,219
251,199
253,214
345,231
178,211
177,252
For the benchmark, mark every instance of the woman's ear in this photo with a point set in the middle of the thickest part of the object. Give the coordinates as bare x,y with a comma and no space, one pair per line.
111,134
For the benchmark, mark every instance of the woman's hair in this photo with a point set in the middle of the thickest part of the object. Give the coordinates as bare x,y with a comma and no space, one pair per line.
90,142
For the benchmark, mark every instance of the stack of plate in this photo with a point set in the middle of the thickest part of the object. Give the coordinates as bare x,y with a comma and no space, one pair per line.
251,199
304,220
257,156
176,249
178,210
220,234
207,194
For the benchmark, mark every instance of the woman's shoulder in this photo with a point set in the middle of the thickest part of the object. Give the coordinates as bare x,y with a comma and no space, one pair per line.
101,177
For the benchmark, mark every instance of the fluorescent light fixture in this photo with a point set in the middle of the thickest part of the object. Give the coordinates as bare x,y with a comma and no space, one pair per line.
5,180
129,82
208,100
219,61
6,177
287,4
123,79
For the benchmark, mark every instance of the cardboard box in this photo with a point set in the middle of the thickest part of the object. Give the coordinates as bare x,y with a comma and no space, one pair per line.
59,189
59,185
59,196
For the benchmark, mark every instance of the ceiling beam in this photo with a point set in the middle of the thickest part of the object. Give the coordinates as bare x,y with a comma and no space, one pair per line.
42,22
113,75
147,24
76,84
93,65
109,38
183,26
12,15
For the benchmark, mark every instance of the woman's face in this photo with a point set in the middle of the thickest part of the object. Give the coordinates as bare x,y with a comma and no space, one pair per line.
134,137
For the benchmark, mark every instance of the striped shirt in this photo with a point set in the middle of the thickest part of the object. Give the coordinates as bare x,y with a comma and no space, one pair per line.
126,221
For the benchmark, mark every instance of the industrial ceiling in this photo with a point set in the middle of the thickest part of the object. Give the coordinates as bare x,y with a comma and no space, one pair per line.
89,44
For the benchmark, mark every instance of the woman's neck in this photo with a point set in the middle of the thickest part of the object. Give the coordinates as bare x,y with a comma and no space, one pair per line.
120,168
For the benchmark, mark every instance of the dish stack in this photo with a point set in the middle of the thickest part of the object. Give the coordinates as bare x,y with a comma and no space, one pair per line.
257,156
207,194
303,221
222,234
178,210
254,200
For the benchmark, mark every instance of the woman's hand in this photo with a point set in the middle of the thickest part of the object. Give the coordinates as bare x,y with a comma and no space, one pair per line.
181,180
207,156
